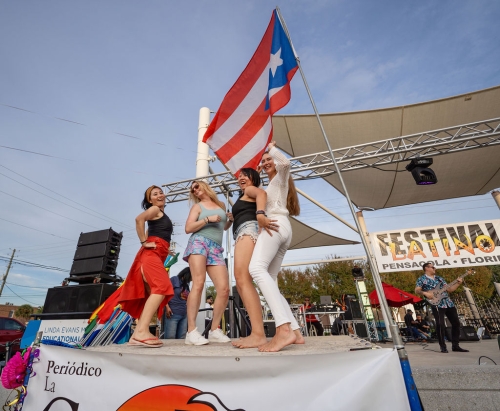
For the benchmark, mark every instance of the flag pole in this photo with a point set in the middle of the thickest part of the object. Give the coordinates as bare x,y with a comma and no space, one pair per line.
397,340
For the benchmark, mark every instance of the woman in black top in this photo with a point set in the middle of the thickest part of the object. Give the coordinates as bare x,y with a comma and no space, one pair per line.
246,227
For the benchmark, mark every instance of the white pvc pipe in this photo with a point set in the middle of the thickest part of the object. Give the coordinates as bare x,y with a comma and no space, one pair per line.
496,197
312,200
202,170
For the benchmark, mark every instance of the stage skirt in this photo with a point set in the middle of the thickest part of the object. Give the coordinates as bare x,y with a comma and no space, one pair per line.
133,294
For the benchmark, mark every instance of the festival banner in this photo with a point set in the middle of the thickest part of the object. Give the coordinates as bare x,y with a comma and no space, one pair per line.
448,245
82,380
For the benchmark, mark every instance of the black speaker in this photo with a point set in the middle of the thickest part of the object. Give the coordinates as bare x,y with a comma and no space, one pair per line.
269,328
94,266
467,333
101,236
77,298
360,329
353,308
97,250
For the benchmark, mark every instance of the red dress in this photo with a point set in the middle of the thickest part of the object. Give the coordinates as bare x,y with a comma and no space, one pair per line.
133,294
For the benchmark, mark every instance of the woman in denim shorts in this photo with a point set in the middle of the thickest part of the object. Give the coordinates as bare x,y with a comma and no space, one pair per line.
246,228
206,221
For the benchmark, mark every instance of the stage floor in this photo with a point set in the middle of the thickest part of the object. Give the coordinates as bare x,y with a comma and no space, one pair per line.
313,345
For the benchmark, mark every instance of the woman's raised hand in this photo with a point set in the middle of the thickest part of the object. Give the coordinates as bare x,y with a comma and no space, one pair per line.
271,145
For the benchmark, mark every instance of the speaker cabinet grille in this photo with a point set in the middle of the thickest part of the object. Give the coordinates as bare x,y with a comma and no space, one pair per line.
96,250
93,266
101,236
78,298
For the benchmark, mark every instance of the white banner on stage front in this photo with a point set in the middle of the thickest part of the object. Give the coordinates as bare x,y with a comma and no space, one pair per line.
79,380
448,245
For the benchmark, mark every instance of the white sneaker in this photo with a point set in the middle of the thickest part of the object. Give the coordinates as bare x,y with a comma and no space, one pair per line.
195,338
218,336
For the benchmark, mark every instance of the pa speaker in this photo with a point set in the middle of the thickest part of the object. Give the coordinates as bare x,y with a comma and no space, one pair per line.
94,266
270,328
360,330
353,309
467,333
101,236
78,298
97,250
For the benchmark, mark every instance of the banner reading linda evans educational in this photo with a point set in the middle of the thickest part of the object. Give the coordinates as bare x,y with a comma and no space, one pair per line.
66,379
449,245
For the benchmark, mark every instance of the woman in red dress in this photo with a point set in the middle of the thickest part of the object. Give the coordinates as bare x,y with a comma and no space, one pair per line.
147,288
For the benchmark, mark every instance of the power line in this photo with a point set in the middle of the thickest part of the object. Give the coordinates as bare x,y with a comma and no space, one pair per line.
28,286
22,297
60,195
31,228
62,202
31,264
41,208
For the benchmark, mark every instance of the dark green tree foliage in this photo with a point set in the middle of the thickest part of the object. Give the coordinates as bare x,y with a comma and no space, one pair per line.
24,312
335,279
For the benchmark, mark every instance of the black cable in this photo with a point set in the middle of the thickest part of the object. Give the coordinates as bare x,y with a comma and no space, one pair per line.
484,356
31,264
31,302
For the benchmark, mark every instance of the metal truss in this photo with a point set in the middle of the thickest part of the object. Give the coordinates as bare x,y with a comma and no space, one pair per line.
376,154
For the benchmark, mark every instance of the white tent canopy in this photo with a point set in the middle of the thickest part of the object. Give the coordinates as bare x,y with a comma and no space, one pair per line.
459,174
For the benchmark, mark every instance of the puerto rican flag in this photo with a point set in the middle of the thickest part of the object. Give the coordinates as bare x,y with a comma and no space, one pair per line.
242,127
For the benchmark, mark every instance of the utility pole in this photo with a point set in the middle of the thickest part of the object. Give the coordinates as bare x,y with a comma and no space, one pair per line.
4,279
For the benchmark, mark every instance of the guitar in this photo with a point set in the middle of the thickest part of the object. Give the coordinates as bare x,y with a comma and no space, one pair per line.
438,292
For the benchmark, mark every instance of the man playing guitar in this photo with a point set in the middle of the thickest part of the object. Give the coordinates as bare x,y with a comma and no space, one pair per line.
429,281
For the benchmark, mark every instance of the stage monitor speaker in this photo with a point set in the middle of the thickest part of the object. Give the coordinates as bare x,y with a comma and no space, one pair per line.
353,308
360,329
97,250
94,266
101,236
467,333
270,328
77,298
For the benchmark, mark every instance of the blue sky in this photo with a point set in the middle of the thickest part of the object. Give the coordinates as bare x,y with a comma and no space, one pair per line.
144,69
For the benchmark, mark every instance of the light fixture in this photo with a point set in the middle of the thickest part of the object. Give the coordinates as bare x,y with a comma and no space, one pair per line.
421,172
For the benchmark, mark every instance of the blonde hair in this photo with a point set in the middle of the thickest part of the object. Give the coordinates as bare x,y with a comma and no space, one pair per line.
207,189
292,199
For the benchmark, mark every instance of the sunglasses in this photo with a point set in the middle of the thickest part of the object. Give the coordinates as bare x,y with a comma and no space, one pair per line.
194,187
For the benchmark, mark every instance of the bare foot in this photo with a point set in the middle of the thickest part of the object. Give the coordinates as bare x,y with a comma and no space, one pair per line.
252,341
300,338
283,337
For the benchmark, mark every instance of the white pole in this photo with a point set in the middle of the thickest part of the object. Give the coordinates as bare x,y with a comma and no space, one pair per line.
496,197
202,160
497,287
473,306
312,200
203,154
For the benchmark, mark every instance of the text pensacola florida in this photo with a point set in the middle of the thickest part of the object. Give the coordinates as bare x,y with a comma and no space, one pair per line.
73,369
451,245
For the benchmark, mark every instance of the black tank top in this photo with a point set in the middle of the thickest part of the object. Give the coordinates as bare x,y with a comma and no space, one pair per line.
243,211
161,228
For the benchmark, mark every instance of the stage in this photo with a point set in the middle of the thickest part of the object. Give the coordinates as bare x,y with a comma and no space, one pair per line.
327,373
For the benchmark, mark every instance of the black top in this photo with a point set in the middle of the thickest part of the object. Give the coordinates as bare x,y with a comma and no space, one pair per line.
161,228
243,211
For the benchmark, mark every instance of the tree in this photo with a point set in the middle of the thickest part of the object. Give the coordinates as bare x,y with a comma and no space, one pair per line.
24,312
211,291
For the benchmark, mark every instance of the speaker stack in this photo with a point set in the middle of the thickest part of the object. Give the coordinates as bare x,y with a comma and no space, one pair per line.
94,269
96,257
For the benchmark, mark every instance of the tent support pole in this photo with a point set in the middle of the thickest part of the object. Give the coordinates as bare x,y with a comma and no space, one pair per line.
411,388
312,200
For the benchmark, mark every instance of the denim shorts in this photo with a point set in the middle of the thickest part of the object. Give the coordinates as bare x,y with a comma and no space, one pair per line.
201,245
250,228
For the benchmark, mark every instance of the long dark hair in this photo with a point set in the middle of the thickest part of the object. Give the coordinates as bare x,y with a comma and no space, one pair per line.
185,278
146,201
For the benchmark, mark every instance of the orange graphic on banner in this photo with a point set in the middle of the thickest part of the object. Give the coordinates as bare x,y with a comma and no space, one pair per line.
414,250
173,398
459,245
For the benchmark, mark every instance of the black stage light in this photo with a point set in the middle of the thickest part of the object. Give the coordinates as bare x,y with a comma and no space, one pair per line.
421,172
357,272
